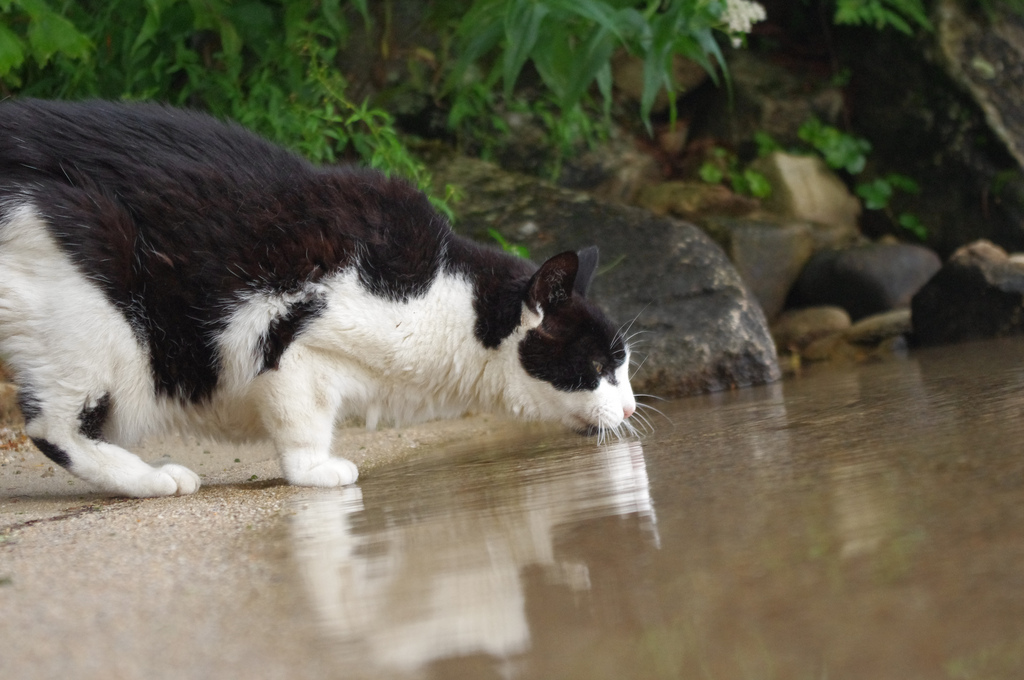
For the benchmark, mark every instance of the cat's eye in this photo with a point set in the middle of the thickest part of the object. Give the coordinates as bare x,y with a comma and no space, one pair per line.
598,367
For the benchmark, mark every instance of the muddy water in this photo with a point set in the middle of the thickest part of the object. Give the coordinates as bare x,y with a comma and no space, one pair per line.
862,522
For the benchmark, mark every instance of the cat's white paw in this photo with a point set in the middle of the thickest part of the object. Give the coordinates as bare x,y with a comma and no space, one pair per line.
331,472
163,480
186,480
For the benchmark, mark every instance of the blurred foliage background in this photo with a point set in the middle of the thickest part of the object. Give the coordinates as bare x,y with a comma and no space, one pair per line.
277,66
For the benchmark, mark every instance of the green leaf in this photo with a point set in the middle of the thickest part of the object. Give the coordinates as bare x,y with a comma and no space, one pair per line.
632,25
739,183
34,8
711,173
662,42
766,144
655,78
12,51
710,46
255,21
50,33
333,15
230,41
599,12
911,223
883,13
876,194
295,20
517,250
589,60
604,85
485,36
150,25
757,184
839,149
903,183
554,60
522,28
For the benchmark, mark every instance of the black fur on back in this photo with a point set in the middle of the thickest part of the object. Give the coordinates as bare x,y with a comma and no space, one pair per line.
176,215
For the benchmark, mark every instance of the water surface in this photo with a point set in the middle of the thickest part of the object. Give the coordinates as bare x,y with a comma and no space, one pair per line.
858,522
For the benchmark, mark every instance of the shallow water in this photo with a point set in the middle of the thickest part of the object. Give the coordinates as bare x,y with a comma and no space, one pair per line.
858,522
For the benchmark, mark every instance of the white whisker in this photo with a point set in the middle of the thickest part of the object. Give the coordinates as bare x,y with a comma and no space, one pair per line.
633,320
637,368
629,338
648,407
644,421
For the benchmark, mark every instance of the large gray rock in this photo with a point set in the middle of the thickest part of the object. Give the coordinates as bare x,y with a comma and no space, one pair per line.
700,329
978,293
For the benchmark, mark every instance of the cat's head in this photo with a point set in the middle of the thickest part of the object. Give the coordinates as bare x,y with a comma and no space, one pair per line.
576,361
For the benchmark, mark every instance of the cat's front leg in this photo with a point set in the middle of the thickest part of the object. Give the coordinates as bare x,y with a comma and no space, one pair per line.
299,412
304,447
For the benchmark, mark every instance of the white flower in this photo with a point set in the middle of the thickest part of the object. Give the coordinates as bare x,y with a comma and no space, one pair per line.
740,16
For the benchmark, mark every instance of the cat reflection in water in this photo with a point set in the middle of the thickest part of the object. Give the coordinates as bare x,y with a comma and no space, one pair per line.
163,271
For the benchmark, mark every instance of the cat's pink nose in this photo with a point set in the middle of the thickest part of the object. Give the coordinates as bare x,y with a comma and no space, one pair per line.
628,411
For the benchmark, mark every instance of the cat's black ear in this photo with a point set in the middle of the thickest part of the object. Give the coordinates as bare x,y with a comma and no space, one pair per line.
588,258
552,284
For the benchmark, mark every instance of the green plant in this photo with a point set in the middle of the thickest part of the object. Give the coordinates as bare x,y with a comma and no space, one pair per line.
269,64
843,151
877,194
902,15
564,129
766,144
474,114
570,44
31,29
723,165
839,149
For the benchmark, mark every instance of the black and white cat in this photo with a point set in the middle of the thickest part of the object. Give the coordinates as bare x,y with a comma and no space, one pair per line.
161,270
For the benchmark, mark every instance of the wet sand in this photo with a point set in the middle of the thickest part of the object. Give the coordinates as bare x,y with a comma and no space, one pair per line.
853,522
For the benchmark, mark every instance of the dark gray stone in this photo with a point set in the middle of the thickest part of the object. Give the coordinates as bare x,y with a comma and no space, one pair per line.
700,329
978,293
865,279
